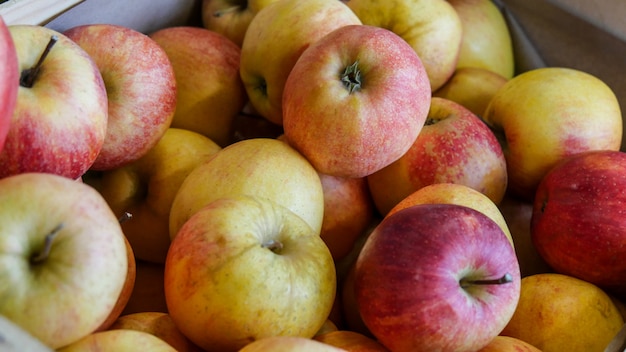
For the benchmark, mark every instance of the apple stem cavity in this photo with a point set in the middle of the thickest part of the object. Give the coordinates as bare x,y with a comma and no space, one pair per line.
45,252
273,245
28,76
351,77
506,278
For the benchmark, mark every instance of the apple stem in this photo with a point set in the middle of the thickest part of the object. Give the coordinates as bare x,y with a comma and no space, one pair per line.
28,76
125,217
351,77
506,278
274,246
220,13
43,255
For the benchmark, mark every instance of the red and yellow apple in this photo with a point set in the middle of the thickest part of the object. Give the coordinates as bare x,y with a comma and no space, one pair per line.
9,78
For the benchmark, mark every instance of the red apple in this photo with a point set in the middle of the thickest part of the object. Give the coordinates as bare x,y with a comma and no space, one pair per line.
454,146
141,89
578,224
428,279
9,76
60,120
355,101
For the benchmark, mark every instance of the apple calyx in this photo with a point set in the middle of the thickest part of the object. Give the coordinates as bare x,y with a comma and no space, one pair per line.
28,76
273,245
47,246
505,279
222,12
351,77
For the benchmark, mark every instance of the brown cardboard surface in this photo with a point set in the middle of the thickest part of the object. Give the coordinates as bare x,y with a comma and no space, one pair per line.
545,32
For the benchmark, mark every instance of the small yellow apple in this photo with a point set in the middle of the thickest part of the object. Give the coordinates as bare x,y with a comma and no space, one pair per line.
119,340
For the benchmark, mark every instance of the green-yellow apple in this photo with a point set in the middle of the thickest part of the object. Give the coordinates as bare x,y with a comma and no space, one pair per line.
432,28
454,146
231,17
351,341
262,167
578,224
275,38
210,92
60,118
472,87
454,193
289,344
508,344
141,89
487,42
15,339
558,313
119,340
427,279
9,76
369,101
546,114
146,188
63,258
159,324
244,268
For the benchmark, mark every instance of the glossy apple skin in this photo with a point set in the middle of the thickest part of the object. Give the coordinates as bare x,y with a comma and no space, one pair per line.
408,274
355,134
289,344
59,124
431,27
119,340
9,78
578,224
269,52
454,146
225,287
81,280
141,89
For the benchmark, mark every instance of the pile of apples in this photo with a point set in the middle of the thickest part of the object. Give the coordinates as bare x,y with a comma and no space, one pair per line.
315,175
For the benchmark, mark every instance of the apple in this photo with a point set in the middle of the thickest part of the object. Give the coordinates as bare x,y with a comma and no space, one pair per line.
274,40
8,80
159,324
431,27
547,114
559,312
15,339
243,268
146,188
454,146
210,92
289,344
351,341
472,87
508,344
578,224
119,340
231,18
454,193
327,327
141,89
427,279
368,102
63,259
261,167
60,118
487,42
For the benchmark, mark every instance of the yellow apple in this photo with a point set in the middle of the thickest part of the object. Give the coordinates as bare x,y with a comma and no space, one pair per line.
432,27
146,188
508,344
159,324
209,90
558,313
452,193
487,42
351,341
471,87
119,340
262,167
13,338
243,268
289,344
547,114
